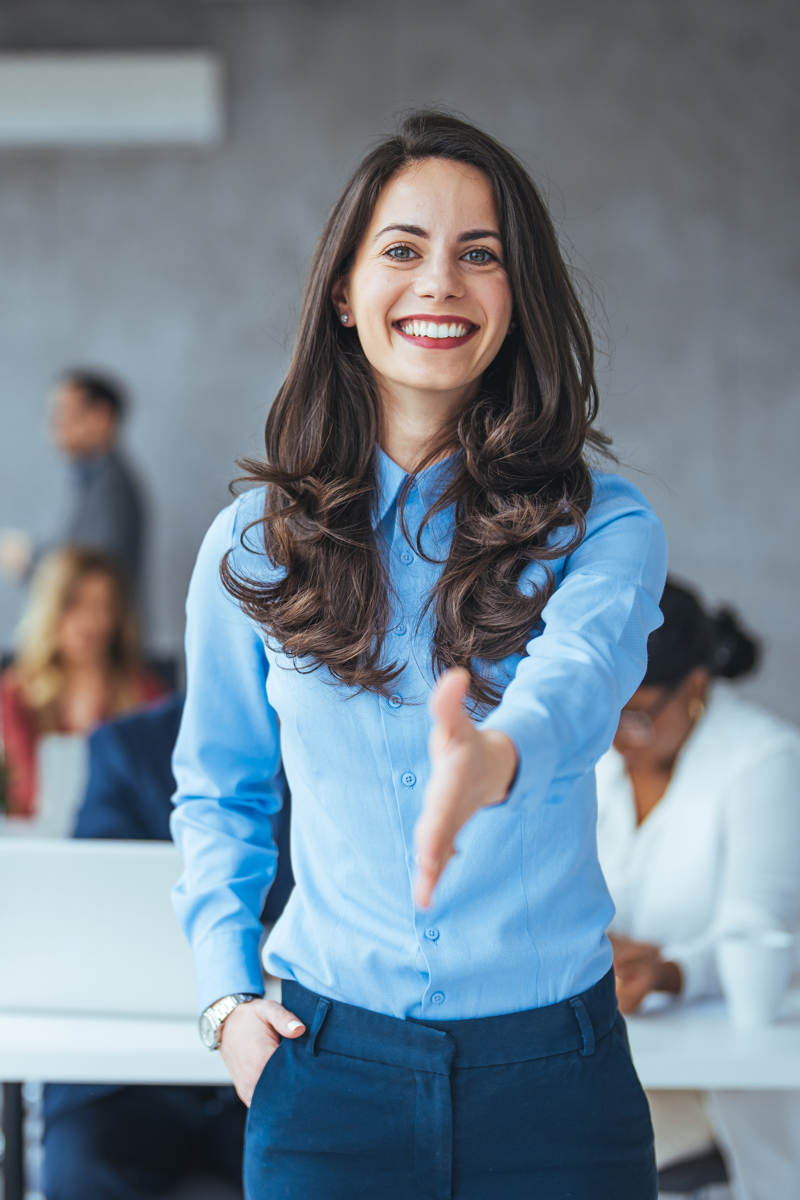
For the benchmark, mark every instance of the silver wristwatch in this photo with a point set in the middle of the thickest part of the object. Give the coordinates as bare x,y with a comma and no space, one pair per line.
211,1020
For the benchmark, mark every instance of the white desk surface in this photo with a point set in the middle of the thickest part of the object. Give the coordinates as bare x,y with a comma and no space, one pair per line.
694,1047
94,1049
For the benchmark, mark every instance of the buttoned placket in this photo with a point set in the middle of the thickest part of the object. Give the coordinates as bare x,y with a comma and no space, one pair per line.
412,578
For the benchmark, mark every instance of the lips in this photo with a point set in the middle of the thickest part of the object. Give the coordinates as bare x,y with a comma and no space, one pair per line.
440,332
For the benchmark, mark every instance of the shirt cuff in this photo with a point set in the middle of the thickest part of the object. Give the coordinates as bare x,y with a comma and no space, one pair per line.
698,969
536,754
226,964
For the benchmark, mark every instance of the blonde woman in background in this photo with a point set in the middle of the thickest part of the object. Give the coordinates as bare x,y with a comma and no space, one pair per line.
698,835
77,663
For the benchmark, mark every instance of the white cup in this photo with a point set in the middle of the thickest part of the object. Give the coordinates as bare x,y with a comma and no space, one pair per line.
754,969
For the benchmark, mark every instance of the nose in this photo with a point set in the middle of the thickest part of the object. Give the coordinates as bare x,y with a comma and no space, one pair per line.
439,278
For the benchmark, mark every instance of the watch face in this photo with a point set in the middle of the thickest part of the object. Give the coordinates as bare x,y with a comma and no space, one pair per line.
208,1031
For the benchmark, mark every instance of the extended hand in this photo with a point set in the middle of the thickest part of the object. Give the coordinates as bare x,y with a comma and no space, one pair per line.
640,969
471,768
250,1036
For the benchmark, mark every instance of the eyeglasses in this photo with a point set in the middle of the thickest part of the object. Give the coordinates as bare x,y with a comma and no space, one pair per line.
636,724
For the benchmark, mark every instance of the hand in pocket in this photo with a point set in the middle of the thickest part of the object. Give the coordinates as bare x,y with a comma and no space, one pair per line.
250,1037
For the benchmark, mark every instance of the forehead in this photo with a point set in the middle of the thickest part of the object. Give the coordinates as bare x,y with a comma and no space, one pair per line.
69,395
94,583
436,193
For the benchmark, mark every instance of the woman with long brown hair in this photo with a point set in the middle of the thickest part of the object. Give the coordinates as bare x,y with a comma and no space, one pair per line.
428,537
77,663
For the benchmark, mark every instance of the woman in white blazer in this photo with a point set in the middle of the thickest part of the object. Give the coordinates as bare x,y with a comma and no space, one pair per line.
699,834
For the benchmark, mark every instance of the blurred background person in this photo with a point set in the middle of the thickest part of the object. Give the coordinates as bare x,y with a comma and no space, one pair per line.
78,662
118,1142
699,835
106,510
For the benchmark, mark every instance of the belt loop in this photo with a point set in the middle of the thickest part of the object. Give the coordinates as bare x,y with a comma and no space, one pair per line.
585,1022
323,1008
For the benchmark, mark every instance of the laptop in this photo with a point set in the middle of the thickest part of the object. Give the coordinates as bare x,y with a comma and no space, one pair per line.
87,927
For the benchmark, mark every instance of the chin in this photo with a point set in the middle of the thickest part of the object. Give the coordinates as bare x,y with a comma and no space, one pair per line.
432,380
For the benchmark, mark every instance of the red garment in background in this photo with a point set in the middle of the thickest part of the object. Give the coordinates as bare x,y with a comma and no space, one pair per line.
20,737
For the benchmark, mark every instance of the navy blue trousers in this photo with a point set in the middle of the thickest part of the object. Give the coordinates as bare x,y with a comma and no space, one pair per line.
543,1104
134,1143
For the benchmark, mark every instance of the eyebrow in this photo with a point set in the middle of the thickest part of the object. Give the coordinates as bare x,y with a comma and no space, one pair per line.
471,235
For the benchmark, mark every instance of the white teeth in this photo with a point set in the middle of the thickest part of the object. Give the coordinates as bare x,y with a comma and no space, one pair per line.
431,330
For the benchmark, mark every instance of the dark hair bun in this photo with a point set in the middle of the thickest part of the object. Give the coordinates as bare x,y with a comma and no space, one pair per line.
735,652
692,637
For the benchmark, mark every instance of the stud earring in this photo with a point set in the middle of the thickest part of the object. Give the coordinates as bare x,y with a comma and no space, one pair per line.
696,709
511,328
345,318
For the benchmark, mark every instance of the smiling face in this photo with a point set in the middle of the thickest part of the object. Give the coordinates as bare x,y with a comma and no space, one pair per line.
428,293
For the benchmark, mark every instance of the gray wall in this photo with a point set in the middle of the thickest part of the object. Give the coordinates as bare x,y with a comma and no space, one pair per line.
664,134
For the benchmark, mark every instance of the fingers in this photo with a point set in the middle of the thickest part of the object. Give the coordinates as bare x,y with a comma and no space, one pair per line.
430,872
447,703
633,981
282,1021
435,839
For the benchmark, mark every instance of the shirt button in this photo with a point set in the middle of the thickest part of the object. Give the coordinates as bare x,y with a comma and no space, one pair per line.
431,934
437,998
395,701
408,779
406,557
401,631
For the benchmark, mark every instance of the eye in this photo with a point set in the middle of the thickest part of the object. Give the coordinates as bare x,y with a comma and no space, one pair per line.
400,253
480,255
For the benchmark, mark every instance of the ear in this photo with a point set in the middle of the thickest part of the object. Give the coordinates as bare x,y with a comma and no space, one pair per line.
340,298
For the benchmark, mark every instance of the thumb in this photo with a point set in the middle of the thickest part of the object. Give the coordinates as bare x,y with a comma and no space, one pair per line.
447,703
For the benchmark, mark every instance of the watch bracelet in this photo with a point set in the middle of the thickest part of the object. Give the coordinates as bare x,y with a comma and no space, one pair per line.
238,998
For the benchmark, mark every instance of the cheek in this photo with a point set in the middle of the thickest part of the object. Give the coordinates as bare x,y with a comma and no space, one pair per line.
498,302
374,296
68,631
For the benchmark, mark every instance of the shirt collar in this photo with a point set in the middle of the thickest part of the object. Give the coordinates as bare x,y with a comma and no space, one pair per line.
390,478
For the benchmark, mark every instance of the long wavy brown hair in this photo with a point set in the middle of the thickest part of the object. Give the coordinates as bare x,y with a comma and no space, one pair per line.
521,474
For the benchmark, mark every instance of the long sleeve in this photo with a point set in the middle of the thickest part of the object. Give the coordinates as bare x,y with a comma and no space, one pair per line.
226,764
562,707
760,883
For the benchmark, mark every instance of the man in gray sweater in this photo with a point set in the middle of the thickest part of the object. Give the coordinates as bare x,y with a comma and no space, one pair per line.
106,511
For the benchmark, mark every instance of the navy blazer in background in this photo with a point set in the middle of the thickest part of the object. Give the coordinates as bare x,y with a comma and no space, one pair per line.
131,784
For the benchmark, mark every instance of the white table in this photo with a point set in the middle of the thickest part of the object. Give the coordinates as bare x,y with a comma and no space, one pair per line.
93,1049
695,1046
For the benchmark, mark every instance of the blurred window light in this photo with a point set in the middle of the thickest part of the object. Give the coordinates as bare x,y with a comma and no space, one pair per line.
110,99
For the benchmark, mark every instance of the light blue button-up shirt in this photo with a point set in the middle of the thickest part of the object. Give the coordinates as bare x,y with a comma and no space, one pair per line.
519,917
